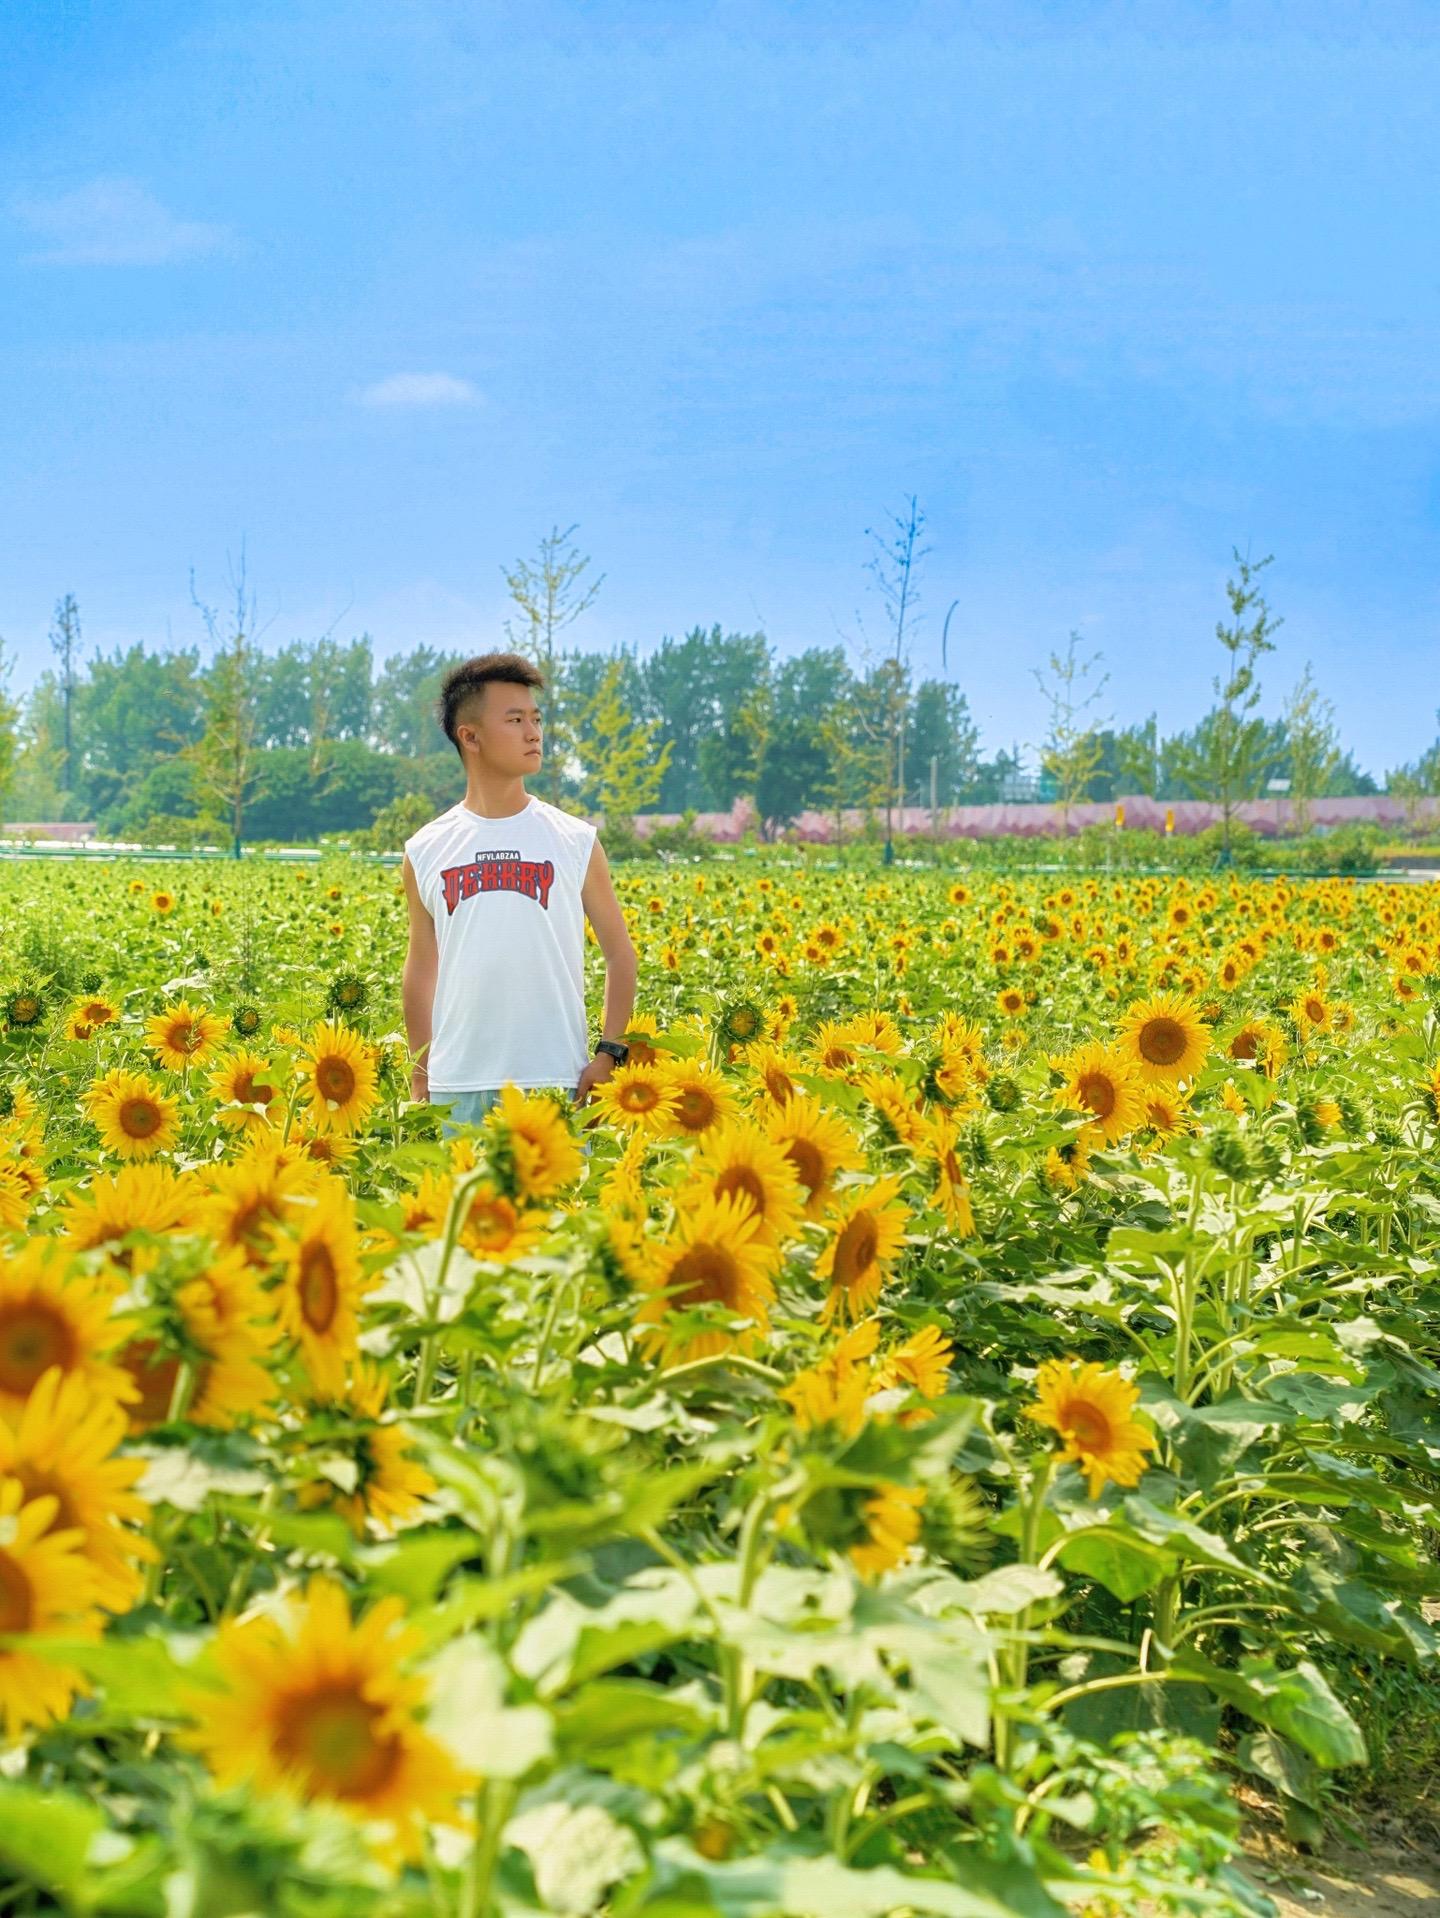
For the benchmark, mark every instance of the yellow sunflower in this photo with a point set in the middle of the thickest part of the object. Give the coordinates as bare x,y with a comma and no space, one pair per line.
16,1196
233,1088
316,1705
162,902
144,1198
1090,1408
902,1121
47,1590
867,1229
1167,1112
892,1525
495,1227
712,1256
835,1389
63,1447
228,1318
818,1143
321,1281
1311,1012
135,1119
1101,1082
245,1201
339,1078
390,1481
1164,1038
701,1097
53,1316
736,1157
183,1035
952,1188
775,1070
637,1098
538,1144
1067,1165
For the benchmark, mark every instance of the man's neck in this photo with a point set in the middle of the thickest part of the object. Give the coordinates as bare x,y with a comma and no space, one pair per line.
496,799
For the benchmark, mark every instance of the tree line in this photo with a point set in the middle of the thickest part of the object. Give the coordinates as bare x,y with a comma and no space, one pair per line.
229,738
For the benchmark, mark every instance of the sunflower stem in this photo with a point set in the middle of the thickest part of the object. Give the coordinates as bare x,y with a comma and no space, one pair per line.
492,1809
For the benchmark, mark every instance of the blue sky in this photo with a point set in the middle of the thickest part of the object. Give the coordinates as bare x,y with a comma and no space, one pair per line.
387,289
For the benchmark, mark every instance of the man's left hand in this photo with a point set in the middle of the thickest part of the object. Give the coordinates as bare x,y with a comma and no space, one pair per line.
595,1074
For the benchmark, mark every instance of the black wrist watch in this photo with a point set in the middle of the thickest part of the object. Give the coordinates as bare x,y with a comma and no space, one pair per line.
618,1052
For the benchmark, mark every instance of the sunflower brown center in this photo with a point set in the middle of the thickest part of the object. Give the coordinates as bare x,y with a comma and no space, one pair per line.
333,1737
703,1275
742,1179
247,1093
38,1484
16,1598
1162,1041
319,1287
155,1380
1087,1425
855,1252
492,1223
808,1164
779,1085
1097,1094
33,1337
336,1078
641,1095
1244,1045
1315,1010
695,1108
139,1118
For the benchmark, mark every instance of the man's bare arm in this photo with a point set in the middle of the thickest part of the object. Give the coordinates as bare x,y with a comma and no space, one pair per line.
417,982
622,963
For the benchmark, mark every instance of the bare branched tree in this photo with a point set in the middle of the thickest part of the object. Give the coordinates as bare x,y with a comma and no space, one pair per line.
895,565
549,595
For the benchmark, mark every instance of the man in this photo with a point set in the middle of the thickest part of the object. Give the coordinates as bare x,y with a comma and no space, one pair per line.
499,889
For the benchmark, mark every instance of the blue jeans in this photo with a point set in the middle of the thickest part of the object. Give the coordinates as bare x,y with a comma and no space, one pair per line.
469,1108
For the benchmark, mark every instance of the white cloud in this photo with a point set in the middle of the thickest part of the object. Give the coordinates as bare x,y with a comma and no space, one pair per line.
419,389
112,222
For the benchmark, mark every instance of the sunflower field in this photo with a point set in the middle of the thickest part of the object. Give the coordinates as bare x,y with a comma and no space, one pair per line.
957,1406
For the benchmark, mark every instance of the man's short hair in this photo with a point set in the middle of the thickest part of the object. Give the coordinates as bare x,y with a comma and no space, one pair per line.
473,676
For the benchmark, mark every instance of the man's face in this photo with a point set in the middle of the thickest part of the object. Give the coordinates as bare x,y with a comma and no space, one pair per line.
504,727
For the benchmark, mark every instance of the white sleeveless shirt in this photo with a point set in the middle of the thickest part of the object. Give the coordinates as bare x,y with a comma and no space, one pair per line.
510,928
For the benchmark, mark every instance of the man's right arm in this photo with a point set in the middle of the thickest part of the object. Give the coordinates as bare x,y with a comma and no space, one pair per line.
417,982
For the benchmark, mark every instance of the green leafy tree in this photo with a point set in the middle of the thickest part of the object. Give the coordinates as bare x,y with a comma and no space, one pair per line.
1313,748
856,736
1235,751
940,731
65,644
224,757
9,729
623,762
1137,759
404,701
1073,749
132,709
1418,784
38,791
550,593
793,753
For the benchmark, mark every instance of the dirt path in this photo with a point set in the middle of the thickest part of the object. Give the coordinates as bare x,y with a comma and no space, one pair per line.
1393,1880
